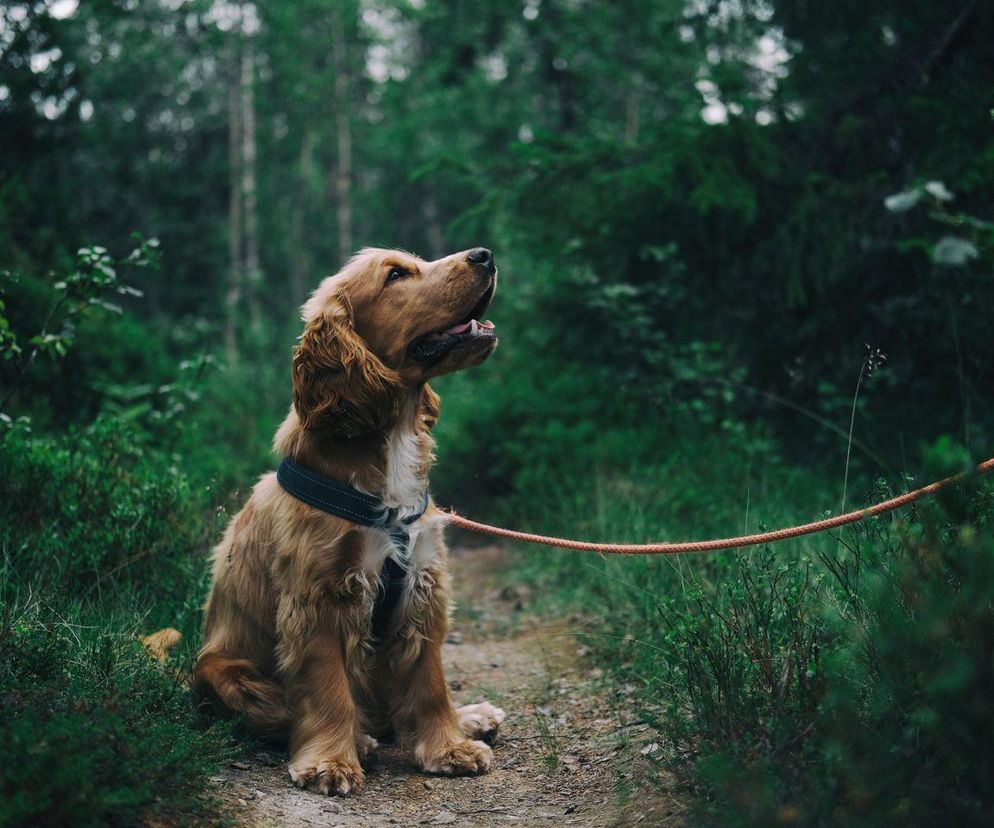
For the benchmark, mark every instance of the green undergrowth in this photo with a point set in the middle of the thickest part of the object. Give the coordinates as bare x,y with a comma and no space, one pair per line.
103,539
838,679
94,732
117,479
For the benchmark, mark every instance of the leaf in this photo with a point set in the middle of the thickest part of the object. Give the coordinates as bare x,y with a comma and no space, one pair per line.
108,306
938,190
902,202
953,251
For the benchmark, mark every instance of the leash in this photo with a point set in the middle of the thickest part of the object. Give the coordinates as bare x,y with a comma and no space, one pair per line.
725,543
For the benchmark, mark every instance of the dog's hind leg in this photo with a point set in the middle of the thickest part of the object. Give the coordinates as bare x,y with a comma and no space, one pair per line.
237,686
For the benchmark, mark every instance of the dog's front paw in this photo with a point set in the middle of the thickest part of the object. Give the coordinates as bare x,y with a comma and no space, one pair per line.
457,758
480,721
332,775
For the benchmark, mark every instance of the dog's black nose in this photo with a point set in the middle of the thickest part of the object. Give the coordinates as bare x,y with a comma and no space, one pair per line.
481,256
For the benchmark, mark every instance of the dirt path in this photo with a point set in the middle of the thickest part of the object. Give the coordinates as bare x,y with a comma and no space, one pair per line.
565,755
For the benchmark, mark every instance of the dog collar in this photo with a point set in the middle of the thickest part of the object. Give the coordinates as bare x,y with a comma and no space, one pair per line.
344,501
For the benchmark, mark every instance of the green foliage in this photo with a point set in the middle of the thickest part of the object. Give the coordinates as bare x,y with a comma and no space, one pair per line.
103,533
77,301
94,733
831,680
81,507
103,540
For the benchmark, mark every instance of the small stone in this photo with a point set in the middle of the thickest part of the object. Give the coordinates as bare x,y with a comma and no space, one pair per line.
443,818
241,765
427,785
454,637
334,808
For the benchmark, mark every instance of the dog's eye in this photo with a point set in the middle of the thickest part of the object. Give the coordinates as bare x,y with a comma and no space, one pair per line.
395,274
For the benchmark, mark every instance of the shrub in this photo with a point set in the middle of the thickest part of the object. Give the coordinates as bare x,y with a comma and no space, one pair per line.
94,732
96,503
836,679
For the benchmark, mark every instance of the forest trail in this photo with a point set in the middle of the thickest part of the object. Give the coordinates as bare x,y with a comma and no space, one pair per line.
566,754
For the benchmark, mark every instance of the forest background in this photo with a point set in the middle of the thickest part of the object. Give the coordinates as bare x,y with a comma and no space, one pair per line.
746,277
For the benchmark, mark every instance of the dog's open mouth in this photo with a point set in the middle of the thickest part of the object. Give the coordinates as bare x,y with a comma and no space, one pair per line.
436,345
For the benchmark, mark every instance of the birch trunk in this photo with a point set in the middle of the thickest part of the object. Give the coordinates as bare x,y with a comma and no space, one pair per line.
253,272
300,261
343,165
233,296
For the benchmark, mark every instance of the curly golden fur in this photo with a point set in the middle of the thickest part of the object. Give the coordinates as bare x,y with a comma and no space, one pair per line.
287,631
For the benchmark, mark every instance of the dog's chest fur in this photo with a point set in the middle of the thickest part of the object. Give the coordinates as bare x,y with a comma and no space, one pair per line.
408,457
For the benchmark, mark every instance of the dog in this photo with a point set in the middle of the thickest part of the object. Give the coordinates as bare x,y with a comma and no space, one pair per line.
290,642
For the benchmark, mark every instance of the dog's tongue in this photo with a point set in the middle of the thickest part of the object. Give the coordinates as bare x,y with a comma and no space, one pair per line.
472,326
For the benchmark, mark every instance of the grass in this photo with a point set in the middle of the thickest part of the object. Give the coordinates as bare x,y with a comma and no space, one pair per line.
103,537
817,681
101,735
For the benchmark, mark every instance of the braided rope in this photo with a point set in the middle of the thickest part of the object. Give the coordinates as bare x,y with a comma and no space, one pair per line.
714,545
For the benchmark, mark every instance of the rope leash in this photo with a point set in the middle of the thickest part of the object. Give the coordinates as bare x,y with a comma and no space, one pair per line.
714,545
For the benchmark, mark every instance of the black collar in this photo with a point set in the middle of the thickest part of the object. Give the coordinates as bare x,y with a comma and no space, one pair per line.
344,501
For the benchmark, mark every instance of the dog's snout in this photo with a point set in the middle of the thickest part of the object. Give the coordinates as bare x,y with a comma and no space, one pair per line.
481,256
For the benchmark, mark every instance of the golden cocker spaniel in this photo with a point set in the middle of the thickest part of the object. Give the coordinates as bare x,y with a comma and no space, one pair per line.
290,641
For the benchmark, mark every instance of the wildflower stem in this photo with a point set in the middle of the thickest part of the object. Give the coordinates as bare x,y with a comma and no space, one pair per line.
852,424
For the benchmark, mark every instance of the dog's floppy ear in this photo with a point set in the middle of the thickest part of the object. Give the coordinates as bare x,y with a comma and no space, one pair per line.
338,383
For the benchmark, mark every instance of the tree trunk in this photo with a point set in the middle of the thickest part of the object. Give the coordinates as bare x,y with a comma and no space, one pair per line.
632,115
343,165
253,271
233,297
300,260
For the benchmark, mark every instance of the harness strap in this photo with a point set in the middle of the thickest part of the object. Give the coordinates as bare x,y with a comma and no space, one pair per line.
392,578
344,501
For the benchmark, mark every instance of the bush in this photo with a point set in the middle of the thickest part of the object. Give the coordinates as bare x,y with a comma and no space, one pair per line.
836,679
104,533
94,504
94,732
103,538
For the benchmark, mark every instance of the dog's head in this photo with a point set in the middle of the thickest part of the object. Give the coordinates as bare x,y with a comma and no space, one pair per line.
387,323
